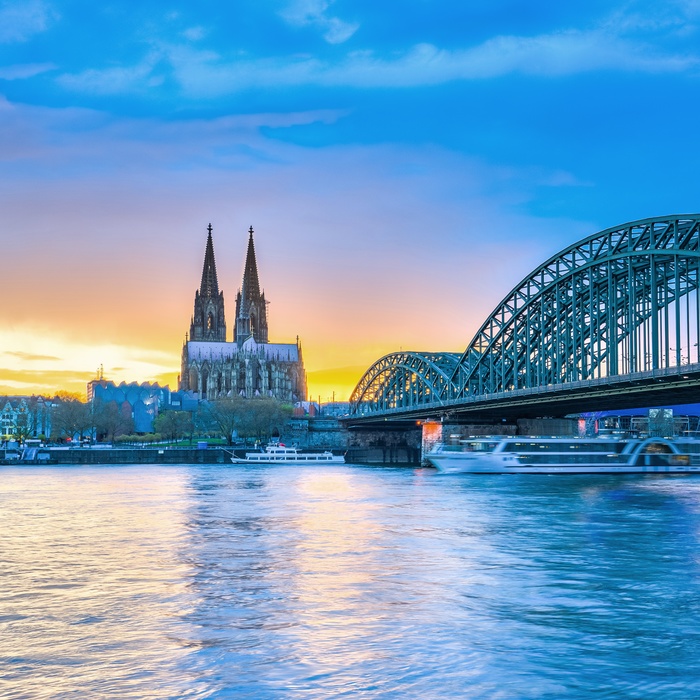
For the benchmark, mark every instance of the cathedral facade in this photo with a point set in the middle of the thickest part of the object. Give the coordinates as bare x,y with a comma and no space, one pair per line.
249,365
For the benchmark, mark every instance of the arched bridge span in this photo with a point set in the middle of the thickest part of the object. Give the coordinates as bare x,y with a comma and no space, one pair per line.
618,308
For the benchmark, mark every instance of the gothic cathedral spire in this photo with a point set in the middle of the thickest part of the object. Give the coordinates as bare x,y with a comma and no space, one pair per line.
210,283
251,309
208,321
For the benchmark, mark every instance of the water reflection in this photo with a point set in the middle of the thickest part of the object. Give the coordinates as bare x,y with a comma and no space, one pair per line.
335,569
89,587
258,582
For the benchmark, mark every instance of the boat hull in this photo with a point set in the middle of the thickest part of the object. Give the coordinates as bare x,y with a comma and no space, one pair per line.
454,466
568,456
299,459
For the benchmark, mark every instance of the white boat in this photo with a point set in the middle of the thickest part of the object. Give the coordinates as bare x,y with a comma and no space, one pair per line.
561,455
280,454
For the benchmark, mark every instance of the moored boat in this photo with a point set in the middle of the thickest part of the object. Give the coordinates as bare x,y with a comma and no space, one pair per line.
561,455
280,454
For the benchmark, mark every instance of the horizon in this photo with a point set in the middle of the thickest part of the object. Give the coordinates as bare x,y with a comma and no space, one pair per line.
402,173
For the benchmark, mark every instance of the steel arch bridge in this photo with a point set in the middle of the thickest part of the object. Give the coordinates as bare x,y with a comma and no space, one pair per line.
406,380
619,305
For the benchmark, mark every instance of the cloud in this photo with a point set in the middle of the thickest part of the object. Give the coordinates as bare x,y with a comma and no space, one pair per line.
202,73
70,141
21,20
43,382
373,219
691,7
560,53
116,80
303,13
76,354
31,357
676,17
621,43
25,70
194,33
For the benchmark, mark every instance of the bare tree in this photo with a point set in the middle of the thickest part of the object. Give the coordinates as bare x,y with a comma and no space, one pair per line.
112,420
71,416
223,416
259,418
23,426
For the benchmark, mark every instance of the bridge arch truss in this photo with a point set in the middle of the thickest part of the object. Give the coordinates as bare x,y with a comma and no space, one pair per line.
620,302
405,380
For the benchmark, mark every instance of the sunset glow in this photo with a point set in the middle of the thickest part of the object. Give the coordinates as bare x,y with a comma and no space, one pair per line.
402,174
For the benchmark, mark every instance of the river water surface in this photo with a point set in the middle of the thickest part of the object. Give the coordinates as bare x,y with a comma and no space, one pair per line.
346,582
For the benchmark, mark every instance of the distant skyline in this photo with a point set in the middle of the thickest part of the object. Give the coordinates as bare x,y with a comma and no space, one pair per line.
402,170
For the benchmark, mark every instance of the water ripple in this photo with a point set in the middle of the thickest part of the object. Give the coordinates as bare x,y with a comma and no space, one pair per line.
250,582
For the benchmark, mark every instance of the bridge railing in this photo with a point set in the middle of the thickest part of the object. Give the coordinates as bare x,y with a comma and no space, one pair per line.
588,384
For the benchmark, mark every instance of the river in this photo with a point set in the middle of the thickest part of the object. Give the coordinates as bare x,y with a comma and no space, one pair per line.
217,581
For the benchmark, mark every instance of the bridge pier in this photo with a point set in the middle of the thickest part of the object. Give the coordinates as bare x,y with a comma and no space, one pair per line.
405,442
397,443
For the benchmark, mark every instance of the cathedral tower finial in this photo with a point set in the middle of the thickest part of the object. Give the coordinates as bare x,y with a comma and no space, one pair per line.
209,322
251,285
251,309
210,282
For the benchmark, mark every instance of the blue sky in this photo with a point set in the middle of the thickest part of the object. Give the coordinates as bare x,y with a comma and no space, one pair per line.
404,165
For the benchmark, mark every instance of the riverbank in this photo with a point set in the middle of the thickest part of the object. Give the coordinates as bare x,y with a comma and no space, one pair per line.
398,456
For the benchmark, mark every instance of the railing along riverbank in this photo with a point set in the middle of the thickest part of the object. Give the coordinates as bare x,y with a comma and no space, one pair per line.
117,455
396,456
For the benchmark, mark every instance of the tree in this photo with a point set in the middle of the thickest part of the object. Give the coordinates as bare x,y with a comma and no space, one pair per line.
259,418
263,418
71,416
173,425
23,426
222,415
112,420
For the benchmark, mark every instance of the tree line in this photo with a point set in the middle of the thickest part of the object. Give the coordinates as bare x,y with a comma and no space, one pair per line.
229,418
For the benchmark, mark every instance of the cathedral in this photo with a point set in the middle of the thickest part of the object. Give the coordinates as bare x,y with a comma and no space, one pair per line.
248,366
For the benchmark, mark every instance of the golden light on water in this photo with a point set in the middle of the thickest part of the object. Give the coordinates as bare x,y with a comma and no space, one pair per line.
333,561
222,580
89,570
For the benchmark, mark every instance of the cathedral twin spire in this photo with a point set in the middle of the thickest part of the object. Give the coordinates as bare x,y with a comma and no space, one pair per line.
209,322
251,308
210,282
250,290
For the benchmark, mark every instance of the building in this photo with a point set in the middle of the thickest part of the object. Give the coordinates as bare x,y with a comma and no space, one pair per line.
142,402
249,365
29,415
660,421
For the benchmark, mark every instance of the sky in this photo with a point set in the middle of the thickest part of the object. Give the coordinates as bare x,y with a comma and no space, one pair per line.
403,165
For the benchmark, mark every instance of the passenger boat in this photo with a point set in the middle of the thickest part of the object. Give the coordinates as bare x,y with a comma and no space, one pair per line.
280,454
560,455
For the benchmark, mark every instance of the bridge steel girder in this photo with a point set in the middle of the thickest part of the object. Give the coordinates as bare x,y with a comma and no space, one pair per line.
406,380
620,302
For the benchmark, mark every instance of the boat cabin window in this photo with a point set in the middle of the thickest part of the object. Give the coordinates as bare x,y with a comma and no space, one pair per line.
479,445
689,447
657,448
564,446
